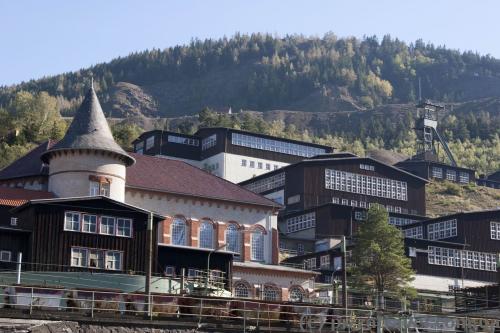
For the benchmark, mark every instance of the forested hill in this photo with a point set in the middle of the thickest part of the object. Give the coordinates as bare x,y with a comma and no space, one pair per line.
263,72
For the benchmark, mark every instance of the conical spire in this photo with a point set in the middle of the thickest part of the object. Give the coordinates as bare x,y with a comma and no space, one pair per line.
89,130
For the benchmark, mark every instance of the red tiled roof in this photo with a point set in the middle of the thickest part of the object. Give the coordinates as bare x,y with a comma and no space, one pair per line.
173,176
29,164
18,196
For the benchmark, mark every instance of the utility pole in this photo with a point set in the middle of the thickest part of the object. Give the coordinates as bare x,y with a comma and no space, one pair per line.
149,258
344,274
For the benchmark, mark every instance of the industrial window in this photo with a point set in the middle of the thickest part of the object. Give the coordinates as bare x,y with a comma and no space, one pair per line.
72,221
252,164
301,222
441,230
360,215
415,232
335,200
267,184
243,163
354,203
462,258
368,185
324,261
107,225
495,230
399,221
367,167
170,271
96,258
179,231
300,248
310,263
463,177
296,294
268,166
209,142
150,142
241,290
124,227
13,221
183,140
206,235
5,256
259,165
257,246
113,260
279,146
437,172
78,257
89,223
345,202
271,293
233,238
139,147
451,175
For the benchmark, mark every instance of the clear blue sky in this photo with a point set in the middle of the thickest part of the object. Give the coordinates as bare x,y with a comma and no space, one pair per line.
49,37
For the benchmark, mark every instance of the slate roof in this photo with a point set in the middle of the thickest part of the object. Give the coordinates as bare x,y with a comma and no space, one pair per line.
17,196
177,177
89,130
28,165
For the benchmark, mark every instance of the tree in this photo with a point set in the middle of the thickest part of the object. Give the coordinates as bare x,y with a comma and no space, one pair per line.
379,259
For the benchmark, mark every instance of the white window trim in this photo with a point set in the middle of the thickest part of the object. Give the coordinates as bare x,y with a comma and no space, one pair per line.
9,256
131,227
79,221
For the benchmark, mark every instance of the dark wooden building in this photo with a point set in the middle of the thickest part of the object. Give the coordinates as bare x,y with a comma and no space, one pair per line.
462,246
438,171
491,180
88,233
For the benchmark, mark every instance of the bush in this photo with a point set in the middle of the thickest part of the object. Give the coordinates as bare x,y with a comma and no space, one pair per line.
452,189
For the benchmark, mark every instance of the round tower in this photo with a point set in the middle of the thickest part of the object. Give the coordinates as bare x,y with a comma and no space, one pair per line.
88,161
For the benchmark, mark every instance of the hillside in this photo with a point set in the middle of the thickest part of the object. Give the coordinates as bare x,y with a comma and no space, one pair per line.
262,72
448,198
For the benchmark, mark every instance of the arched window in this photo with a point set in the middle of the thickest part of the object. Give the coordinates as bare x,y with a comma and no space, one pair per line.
271,293
179,231
206,235
296,294
257,245
241,290
233,238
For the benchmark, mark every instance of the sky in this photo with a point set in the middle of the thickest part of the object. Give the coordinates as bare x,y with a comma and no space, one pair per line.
42,38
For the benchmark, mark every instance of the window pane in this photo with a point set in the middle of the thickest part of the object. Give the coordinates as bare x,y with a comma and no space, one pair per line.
178,232
233,238
206,235
72,221
107,225
258,246
89,223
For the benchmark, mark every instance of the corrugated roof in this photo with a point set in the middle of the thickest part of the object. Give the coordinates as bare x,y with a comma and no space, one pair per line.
17,196
177,177
89,130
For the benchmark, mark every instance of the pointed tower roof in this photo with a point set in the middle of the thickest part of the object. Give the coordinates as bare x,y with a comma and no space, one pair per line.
89,130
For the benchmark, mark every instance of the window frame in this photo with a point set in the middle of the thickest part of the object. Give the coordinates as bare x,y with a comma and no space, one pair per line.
2,253
79,222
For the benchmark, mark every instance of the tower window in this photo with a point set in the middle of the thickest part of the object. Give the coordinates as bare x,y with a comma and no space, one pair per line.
99,186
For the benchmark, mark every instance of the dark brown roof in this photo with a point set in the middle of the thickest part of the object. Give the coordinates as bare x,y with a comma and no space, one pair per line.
18,196
172,176
28,165
89,130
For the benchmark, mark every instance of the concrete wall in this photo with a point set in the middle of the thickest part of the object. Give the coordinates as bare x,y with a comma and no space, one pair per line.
69,174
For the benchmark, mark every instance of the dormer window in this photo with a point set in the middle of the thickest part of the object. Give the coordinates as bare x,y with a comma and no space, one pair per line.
99,186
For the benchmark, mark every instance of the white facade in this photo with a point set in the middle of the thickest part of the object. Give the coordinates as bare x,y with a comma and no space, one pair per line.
437,283
232,167
69,173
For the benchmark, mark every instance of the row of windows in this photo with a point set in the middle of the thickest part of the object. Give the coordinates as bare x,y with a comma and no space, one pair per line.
367,167
495,230
463,177
209,142
462,258
258,165
441,230
275,145
94,258
301,222
267,184
364,204
415,232
233,235
184,141
399,221
362,184
104,225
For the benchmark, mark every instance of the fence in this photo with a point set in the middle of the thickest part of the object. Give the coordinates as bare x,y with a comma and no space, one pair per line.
240,313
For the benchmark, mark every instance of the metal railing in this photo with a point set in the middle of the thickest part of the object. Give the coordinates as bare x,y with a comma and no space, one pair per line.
242,313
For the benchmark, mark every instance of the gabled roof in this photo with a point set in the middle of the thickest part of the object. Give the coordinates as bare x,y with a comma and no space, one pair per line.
84,199
177,177
28,165
17,196
89,130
